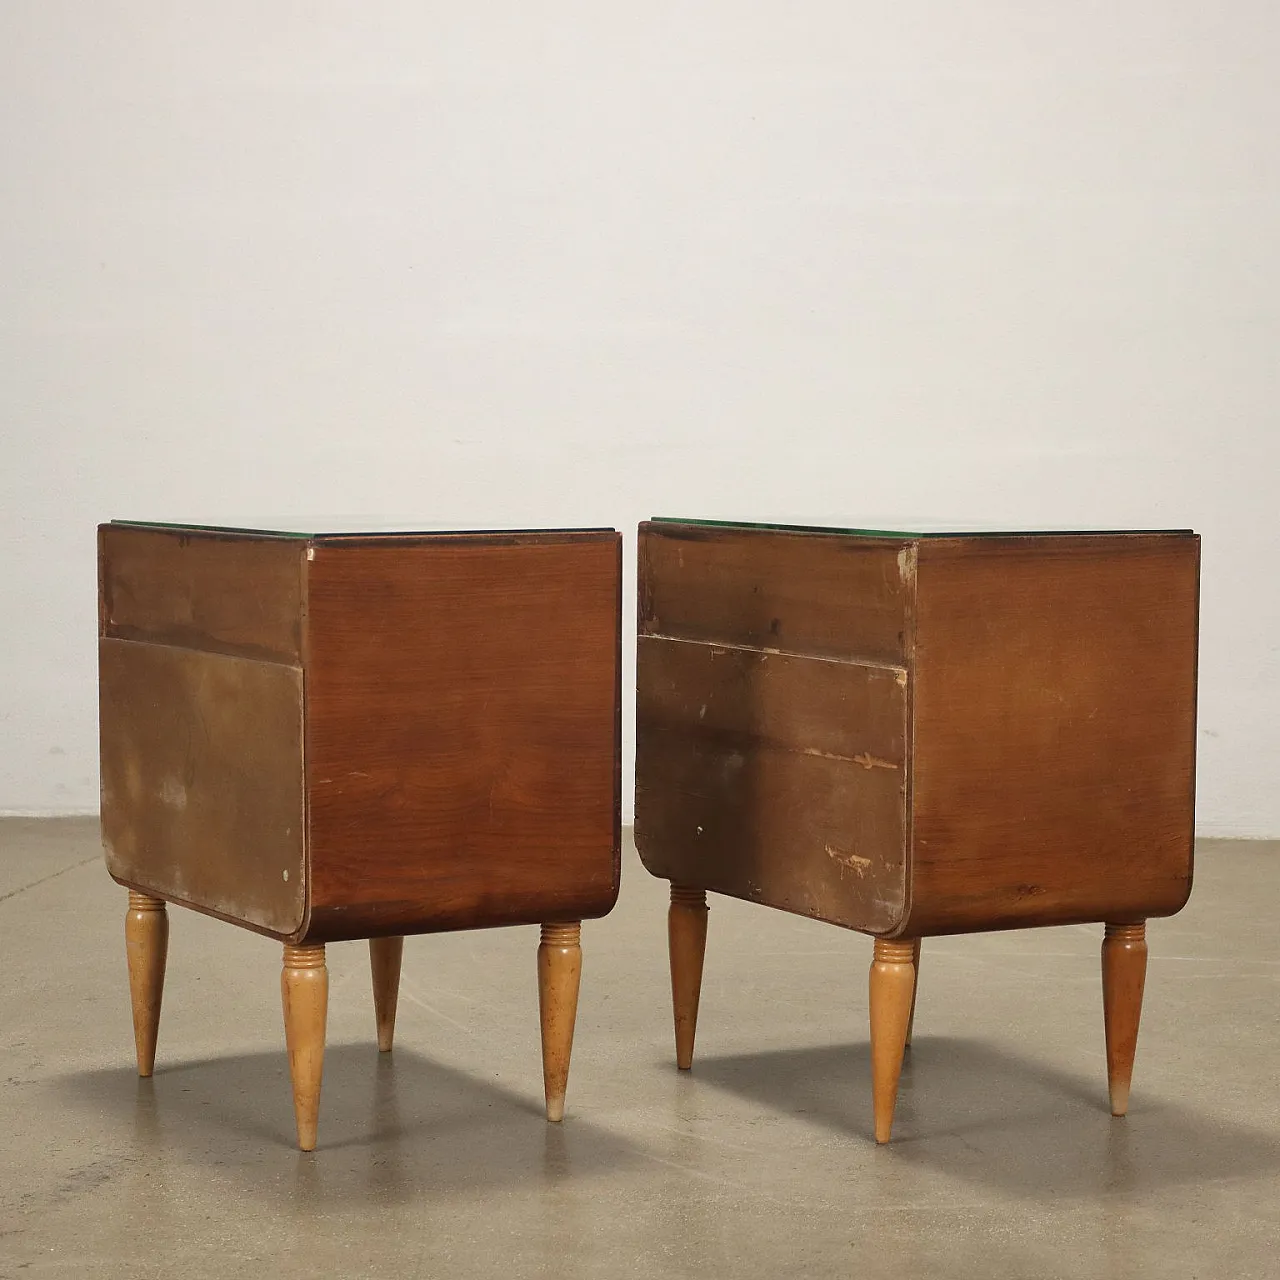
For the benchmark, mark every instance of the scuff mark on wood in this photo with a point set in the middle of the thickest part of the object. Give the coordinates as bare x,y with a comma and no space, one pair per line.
173,794
907,565
850,860
866,760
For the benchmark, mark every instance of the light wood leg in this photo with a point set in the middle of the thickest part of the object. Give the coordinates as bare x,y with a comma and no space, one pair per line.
915,989
146,943
559,973
687,945
891,986
384,963
304,989
1124,974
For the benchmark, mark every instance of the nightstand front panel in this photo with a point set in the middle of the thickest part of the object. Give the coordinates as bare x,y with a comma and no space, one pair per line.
1054,730
777,778
463,732
202,798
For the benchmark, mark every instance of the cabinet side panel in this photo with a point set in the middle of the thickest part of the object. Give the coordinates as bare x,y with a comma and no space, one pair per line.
222,593
463,733
776,778
1055,702
202,799
820,594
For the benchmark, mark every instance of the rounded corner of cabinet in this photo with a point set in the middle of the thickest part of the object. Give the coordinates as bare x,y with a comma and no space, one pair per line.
110,858
1183,896
647,859
898,921
607,900
297,936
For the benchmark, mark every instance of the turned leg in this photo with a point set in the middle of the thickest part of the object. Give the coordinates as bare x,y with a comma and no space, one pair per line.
1124,973
384,963
687,945
304,989
892,984
559,971
915,988
146,942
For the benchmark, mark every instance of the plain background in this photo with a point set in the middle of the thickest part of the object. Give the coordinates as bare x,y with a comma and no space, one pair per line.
557,263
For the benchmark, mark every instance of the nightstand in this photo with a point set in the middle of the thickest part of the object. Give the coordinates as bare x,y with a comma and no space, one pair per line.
324,736
915,734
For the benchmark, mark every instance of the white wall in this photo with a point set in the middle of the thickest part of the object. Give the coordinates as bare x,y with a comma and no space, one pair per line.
1013,261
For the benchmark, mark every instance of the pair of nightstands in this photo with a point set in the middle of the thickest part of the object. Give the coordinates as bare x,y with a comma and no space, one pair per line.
328,736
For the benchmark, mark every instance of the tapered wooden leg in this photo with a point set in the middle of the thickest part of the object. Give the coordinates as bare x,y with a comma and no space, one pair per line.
384,963
1124,974
559,973
146,943
304,989
892,984
915,989
687,945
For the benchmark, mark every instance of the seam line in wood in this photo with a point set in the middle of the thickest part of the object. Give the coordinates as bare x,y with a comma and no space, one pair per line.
896,668
235,653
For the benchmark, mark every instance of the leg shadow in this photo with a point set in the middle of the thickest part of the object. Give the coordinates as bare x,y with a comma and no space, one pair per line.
985,1115
391,1127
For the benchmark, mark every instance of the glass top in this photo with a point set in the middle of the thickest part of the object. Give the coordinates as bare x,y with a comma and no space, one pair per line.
346,526
913,528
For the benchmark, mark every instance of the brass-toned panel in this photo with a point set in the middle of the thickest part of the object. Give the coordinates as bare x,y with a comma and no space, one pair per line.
202,791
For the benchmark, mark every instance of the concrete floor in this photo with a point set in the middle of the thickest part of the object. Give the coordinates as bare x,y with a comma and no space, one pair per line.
760,1163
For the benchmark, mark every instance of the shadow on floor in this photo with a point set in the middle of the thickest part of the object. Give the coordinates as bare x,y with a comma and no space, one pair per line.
975,1112
391,1127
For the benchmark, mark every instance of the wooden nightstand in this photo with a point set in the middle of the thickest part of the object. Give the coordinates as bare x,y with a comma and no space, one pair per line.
912,735
327,736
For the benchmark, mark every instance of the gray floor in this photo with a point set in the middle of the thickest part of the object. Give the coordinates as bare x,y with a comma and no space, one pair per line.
760,1163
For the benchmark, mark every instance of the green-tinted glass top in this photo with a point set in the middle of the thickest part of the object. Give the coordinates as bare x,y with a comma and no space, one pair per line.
344,526
909,528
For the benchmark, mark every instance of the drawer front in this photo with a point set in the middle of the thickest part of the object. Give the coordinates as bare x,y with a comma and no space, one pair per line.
221,593
202,781
777,778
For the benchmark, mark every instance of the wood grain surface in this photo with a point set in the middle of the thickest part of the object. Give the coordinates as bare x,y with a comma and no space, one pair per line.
463,750
1055,712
